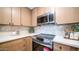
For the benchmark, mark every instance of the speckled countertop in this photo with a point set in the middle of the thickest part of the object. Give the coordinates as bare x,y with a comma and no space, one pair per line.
4,38
62,40
57,39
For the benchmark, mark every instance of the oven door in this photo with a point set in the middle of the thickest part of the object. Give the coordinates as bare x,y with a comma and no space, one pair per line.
48,41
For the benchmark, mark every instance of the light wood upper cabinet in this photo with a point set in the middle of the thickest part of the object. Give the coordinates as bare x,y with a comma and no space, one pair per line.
16,16
5,15
34,17
45,10
25,17
66,15
42,10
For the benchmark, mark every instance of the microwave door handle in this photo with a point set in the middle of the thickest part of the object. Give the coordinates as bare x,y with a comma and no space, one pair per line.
48,18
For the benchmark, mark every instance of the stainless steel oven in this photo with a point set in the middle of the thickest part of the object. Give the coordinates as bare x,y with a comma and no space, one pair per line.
43,40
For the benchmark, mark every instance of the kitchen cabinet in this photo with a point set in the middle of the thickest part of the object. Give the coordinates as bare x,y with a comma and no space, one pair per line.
5,15
25,17
61,47
28,41
34,17
42,10
45,10
65,15
23,44
16,16
16,45
77,49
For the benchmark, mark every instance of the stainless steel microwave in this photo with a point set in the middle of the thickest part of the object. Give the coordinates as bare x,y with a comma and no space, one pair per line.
45,19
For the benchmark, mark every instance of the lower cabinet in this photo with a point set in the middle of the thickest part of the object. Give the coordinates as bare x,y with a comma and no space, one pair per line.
78,49
61,47
22,44
28,42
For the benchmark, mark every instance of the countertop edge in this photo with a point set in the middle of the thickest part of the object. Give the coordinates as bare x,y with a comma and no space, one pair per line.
68,42
6,39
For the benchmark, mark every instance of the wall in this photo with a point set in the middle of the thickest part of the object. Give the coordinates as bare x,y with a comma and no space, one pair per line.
52,29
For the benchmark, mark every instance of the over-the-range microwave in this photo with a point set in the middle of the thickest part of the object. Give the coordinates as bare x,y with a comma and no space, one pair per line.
45,19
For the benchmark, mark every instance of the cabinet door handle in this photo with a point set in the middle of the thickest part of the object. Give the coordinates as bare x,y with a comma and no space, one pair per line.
60,47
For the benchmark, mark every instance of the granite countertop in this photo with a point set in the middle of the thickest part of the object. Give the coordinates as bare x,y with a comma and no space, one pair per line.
62,40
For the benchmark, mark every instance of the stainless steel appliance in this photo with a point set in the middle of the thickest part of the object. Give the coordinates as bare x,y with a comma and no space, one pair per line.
44,40
45,19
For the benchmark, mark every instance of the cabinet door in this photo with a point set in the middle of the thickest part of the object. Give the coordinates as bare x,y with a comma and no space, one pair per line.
66,15
28,45
5,15
42,10
61,47
16,16
34,17
16,45
77,49
25,17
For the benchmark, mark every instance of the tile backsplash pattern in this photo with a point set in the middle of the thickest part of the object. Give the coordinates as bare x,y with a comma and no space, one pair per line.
13,28
52,29
48,29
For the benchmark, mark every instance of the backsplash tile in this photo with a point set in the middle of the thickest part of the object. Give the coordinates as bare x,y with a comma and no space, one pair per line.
48,29
52,29
13,28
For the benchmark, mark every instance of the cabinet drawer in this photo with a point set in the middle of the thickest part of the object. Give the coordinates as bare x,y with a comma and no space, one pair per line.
61,47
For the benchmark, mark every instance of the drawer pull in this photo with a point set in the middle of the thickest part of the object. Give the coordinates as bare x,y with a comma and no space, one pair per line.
60,47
